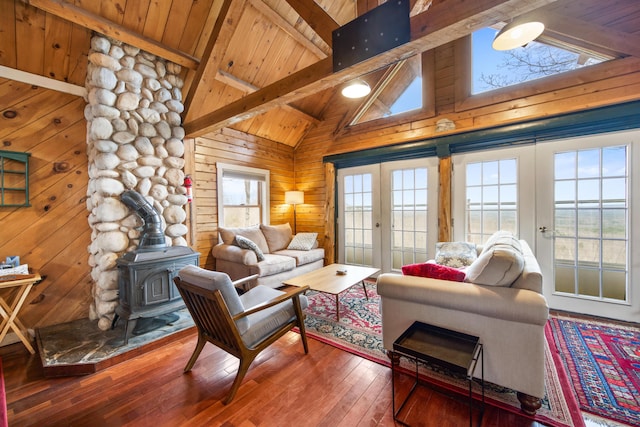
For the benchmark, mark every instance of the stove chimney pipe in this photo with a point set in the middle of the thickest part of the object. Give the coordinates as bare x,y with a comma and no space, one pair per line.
152,236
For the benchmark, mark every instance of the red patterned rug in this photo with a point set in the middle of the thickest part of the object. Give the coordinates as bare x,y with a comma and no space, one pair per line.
603,361
360,332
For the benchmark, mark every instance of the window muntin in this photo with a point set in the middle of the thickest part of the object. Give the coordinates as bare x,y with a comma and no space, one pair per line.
491,199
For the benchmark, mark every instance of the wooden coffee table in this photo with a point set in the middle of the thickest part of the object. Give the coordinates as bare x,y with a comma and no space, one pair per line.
328,281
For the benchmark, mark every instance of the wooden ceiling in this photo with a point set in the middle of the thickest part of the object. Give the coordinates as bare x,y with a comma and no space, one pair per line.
264,66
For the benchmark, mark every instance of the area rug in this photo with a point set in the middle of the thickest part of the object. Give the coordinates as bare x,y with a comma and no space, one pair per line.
360,332
603,361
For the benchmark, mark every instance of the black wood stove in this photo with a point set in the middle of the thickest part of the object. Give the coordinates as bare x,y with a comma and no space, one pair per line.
145,275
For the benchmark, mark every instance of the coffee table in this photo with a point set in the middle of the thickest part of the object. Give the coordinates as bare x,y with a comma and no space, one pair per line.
328,281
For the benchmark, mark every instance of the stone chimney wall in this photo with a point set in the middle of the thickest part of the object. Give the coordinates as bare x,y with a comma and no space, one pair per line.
134,142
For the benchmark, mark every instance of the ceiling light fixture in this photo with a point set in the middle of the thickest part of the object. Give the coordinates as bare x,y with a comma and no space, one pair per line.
517,34
356,89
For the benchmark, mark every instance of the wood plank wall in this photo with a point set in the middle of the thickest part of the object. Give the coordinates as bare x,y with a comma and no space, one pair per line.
234,147
52,235
605,84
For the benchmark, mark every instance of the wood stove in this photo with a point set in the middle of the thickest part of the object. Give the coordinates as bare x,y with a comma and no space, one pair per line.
145,275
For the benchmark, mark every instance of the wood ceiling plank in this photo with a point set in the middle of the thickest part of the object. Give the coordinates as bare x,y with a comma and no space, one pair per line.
58,38
78,55
225,26
196,20
319,20
442,23
104,26
157,17
113,10
135,15
273,16
178,16
8,34
30,23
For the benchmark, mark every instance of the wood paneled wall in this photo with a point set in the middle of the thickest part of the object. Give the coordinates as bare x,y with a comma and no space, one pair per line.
52,234
604,84
234,147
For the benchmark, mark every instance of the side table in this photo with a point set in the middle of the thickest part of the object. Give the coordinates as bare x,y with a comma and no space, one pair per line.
441,347
9,312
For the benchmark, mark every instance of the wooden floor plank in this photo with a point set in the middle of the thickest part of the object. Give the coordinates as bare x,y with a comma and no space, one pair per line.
327,387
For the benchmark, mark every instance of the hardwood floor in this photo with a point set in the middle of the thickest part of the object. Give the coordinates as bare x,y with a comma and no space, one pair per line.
284,387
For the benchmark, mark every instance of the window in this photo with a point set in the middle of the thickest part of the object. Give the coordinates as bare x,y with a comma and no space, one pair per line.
493,69
492,198
243,196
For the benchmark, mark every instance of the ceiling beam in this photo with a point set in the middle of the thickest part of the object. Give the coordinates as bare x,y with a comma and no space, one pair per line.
79,16
598,36
319,51
441,24
223,29
246,87
316,17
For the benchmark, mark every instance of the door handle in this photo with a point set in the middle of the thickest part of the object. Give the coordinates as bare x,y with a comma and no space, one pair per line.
542,229
377,225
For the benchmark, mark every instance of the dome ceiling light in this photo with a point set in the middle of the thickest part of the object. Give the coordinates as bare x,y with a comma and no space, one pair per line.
356,89
517,34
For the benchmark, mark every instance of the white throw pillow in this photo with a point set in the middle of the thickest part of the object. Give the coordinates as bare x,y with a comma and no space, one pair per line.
303,241
500,265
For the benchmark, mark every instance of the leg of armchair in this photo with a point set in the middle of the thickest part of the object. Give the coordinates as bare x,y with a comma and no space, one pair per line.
529,404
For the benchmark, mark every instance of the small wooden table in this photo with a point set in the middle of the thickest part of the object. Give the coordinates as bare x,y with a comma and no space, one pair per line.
328,281
9,312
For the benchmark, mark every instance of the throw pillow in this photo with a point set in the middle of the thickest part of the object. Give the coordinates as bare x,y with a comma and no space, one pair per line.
456,254
227,235
499,266
245,243
434,271
303,241
277,236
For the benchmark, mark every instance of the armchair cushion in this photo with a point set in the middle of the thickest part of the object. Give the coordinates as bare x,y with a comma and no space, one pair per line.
214,280
277,236
245,243
265,322
434,271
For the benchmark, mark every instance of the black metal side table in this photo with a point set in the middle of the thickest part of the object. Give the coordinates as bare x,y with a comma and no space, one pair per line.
441,347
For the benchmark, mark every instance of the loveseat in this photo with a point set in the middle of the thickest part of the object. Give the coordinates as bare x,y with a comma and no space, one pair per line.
500,301
270,251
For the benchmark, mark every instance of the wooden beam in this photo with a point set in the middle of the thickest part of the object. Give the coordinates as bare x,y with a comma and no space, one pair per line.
598,36
45,82
79,16
224,28
233,81
444,199
319,20
441,24
319,51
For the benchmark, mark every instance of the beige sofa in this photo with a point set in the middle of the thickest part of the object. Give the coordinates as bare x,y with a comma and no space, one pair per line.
274,242
509,319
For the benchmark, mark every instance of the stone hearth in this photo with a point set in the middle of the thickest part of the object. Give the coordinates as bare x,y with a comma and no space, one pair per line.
80,347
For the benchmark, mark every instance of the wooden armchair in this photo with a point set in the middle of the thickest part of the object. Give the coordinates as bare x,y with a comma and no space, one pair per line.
240,325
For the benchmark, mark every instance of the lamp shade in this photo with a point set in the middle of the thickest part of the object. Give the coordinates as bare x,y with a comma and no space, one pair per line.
517,34
356,89
294,197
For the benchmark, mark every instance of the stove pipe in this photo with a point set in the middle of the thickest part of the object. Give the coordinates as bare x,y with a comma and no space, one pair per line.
152,236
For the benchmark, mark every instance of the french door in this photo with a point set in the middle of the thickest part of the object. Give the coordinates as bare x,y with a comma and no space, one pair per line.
587,242
387,213
572,201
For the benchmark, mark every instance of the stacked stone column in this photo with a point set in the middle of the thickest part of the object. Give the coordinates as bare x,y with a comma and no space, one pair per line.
134,142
